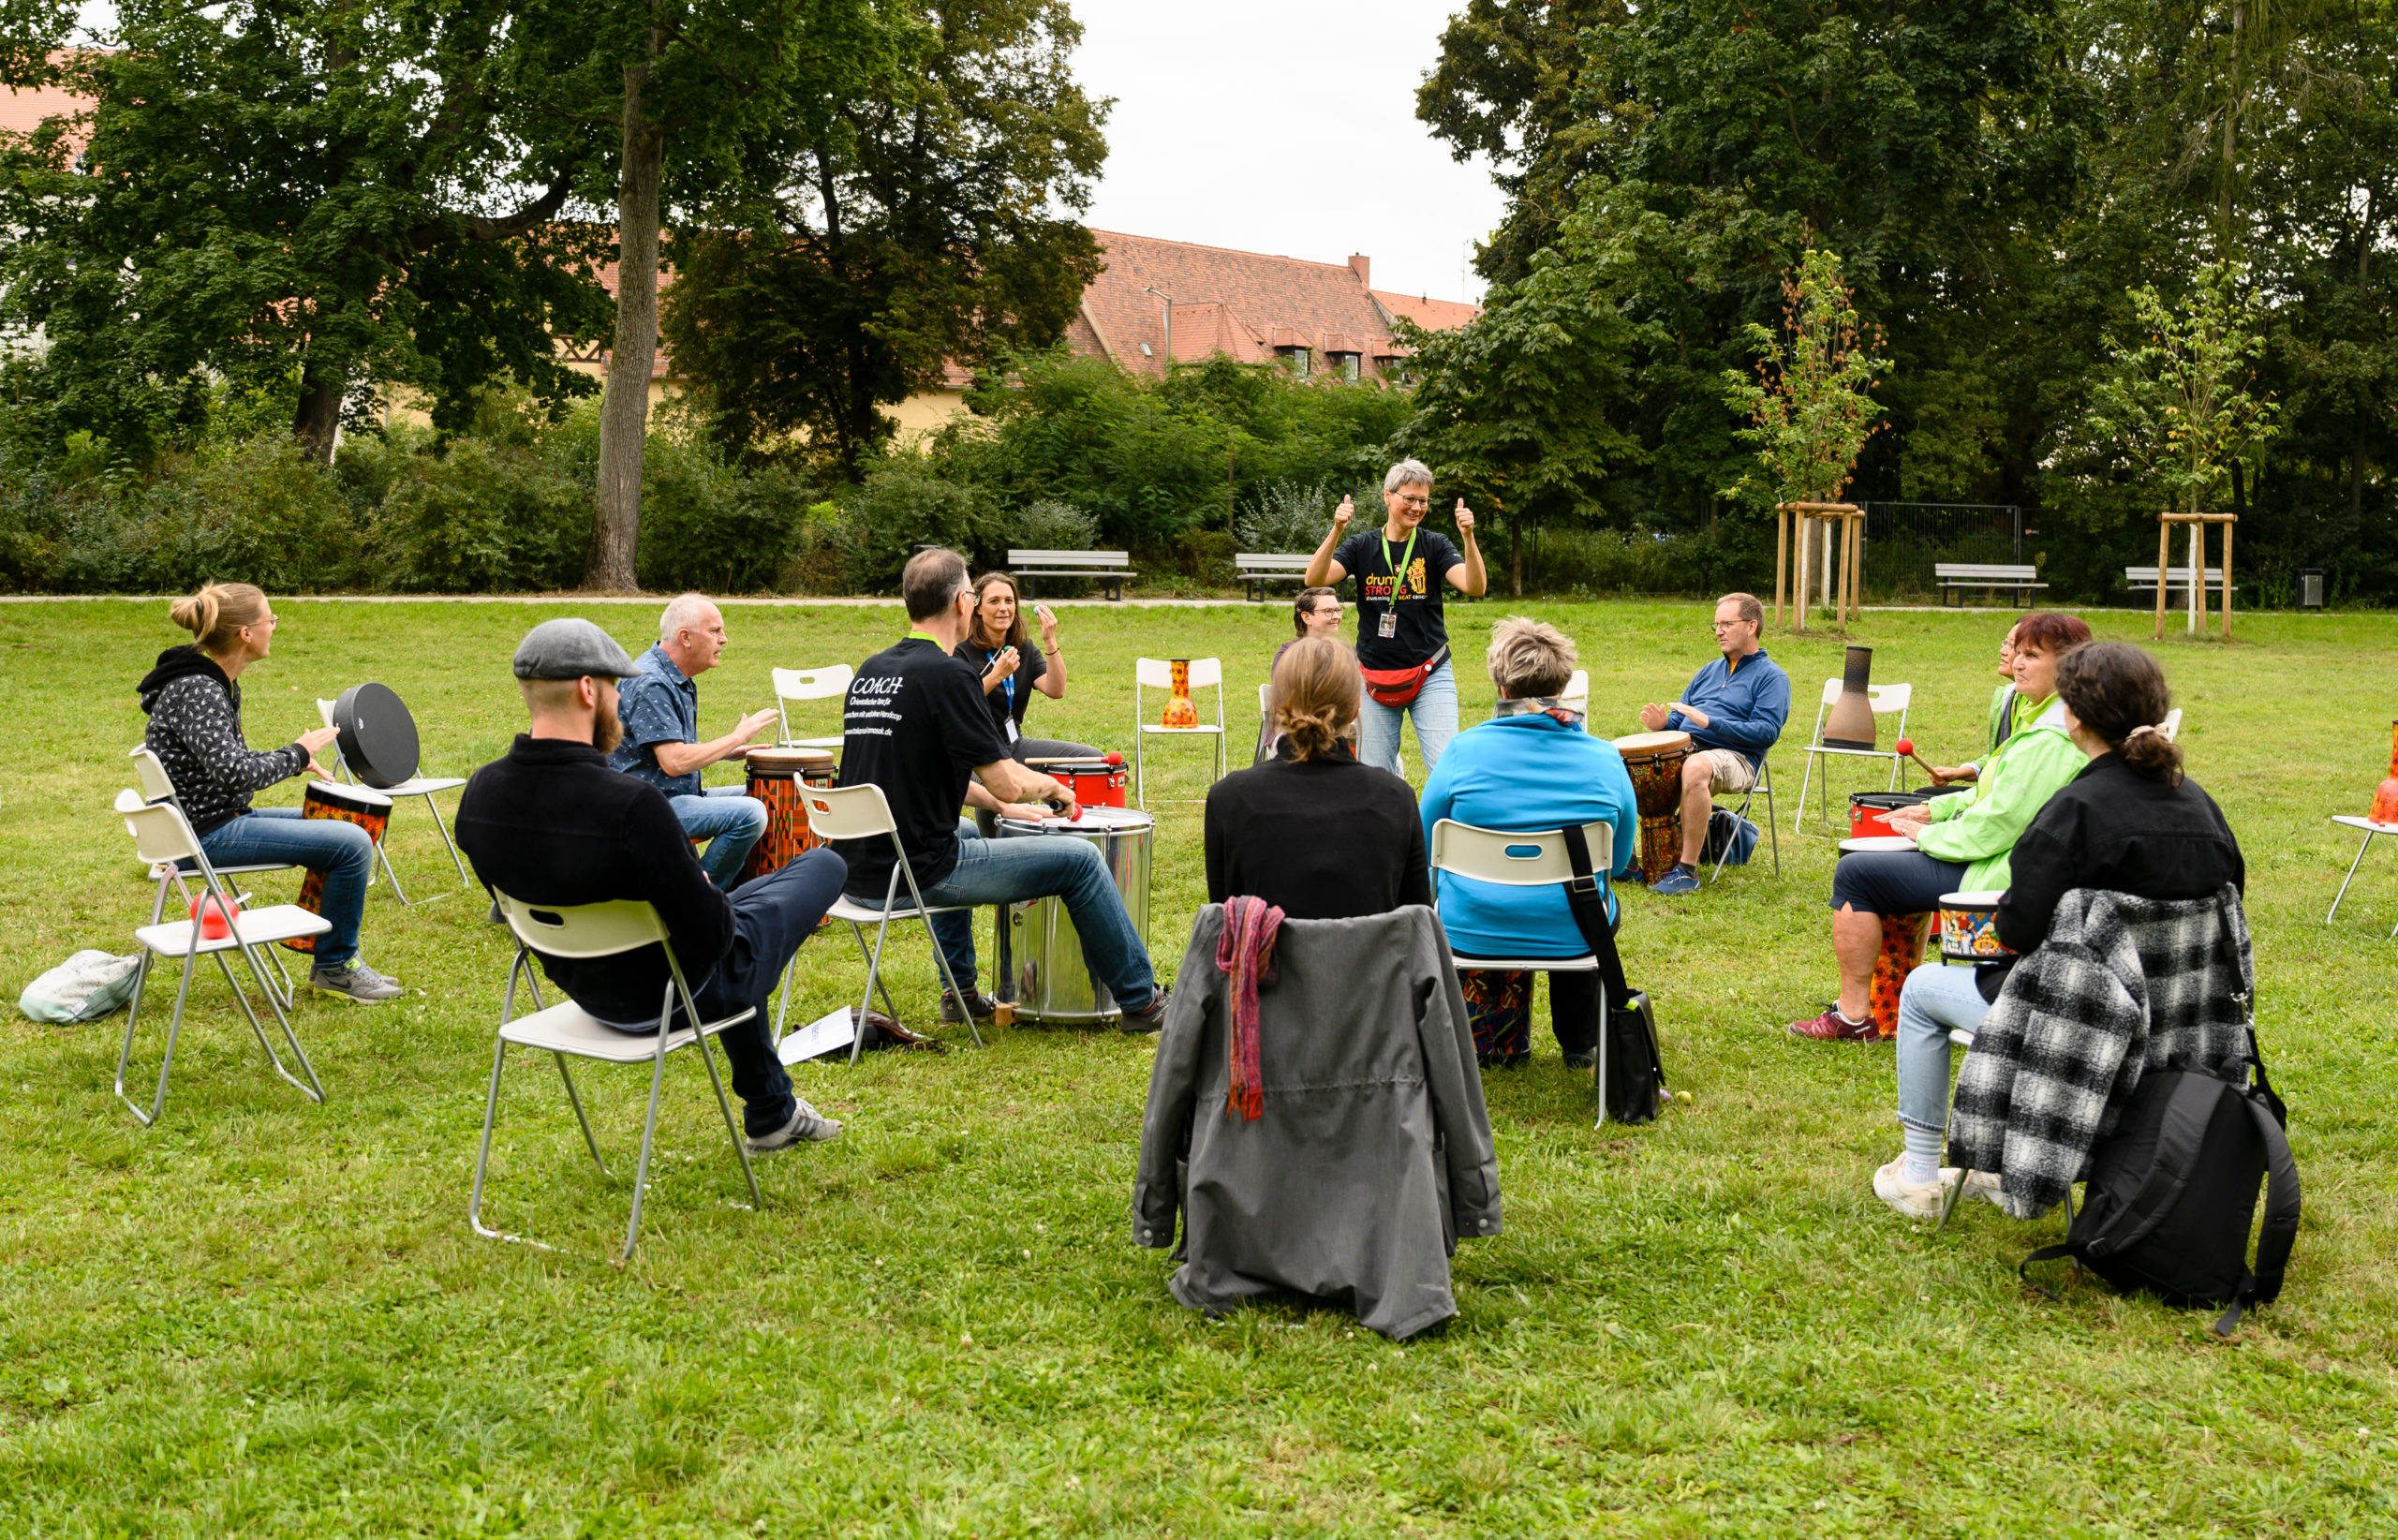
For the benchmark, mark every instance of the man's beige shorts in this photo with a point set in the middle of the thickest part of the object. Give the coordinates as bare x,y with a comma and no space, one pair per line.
1726,772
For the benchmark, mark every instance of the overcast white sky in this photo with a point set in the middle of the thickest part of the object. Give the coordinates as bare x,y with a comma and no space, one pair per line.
1285,126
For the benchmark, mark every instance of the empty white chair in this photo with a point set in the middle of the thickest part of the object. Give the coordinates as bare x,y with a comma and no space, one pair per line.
1886,698
860,812
808,685
1529,859
162,835
156,786
1158,673
415,786
566,1030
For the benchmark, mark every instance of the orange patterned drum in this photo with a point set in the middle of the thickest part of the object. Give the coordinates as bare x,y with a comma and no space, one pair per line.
370,810
1655,761
775,777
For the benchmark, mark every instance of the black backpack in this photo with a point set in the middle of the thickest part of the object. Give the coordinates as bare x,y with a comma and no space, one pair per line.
2172,1191
1635,1069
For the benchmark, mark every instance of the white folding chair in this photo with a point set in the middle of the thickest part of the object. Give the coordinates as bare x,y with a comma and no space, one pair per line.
156,786
1158,673
1886,698
1764,783
808,685
1577,695
162,835
415,786
860,812
2171,725
566,1030
1529,859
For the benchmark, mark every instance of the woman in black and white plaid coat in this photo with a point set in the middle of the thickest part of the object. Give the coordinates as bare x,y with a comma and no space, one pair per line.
2131,824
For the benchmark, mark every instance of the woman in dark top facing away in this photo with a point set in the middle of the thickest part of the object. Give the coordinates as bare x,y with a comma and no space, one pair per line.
1312,831
2130,821
997,646
194,702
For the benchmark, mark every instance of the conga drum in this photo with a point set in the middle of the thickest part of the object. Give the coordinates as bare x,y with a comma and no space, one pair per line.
370,810
775,777
1655,761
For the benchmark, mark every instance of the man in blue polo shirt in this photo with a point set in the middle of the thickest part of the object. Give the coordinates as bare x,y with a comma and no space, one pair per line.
660,705
1733,710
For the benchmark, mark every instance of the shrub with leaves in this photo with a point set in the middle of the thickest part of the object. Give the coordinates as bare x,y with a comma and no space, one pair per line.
1807,410
1048,524
1287,516
2177,403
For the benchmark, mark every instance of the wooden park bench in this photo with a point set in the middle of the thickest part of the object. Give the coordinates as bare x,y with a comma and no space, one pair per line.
1108,567
1957,576
1257,568
2177,580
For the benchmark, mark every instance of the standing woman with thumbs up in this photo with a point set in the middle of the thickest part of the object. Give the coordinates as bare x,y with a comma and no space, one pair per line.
1402,640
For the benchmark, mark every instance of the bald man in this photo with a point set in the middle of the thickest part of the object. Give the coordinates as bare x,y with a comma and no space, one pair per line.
659,707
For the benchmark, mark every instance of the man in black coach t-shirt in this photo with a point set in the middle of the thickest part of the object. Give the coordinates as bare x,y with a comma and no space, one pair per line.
917,726
1401,569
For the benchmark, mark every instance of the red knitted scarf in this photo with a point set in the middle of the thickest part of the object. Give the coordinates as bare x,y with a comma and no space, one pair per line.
1244,951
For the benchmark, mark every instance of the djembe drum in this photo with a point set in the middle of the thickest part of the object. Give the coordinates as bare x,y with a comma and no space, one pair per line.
370,810
1655,761
775,777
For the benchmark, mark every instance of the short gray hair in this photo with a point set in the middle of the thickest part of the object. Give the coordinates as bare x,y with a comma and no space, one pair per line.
1530,658
1406,473
683,613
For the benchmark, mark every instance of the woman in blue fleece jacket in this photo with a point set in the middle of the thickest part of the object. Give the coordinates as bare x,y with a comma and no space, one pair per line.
1530,767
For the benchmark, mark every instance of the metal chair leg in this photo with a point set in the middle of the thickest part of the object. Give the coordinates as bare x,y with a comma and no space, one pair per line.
313,1089
648,1136
385,856
435,808
873,971
588,1141
1949,1200
740,1144
125,1053
965,1004
2351,877
1600,1068
1806,778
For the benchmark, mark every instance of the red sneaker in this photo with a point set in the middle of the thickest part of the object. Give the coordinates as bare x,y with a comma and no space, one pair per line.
1831,1027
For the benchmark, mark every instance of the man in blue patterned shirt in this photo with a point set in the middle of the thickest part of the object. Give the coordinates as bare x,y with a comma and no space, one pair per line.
660,706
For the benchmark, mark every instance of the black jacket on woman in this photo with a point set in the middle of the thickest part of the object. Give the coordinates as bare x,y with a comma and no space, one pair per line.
196,730
1325,839
2112,829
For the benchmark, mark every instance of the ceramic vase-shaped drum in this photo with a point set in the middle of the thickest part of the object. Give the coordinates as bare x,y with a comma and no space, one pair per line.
2385,796
1180,712
1851,724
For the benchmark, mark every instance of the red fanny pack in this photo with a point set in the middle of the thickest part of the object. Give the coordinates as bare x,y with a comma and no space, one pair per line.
1400,687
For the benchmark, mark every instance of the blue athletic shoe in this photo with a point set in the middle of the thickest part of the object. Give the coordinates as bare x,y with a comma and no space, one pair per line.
1675,882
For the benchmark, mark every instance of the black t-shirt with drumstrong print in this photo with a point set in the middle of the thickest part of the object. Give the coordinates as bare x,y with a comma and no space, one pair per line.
1420,632
915,725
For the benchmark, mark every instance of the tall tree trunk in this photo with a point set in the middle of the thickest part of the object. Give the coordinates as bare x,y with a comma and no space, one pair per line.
317,420
624,410
1515,560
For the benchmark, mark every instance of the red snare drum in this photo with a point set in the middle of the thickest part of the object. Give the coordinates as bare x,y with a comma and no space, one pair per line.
775,777
370,810
1869,812
1096,783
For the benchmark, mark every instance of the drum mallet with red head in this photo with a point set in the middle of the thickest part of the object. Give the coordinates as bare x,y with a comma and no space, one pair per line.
1907,746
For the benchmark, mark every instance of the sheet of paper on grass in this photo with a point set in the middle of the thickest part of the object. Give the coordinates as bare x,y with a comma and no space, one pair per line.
833,1030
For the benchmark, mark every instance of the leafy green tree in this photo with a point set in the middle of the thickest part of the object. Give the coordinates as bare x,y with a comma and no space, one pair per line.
310,199
2177,404
1522,409
1806,405
925,234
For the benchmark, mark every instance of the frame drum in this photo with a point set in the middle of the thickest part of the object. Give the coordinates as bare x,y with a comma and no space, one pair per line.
775,777
378,735
1039,965
370,810
1655,761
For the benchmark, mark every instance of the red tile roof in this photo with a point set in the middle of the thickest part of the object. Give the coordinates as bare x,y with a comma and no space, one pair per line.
1428,313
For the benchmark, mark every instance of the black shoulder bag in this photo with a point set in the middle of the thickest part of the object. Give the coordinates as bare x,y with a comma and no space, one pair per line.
1632,1071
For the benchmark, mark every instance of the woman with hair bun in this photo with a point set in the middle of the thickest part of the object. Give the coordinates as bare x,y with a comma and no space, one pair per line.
193,699
2129,821
1312,831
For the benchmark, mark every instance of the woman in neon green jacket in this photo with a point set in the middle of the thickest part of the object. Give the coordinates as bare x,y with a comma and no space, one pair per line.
1963,842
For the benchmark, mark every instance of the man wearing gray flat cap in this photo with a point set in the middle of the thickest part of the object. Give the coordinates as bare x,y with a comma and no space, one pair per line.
548,822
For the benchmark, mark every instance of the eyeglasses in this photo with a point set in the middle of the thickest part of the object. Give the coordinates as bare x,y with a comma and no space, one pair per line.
1415,502
1727,625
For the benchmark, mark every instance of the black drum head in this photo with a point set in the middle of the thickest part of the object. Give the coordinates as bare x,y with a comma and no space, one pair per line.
378,735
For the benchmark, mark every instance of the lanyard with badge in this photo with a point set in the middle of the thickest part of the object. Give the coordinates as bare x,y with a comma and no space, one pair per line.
990,661
1389,627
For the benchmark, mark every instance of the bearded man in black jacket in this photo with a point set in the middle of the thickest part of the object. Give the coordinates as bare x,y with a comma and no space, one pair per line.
550,824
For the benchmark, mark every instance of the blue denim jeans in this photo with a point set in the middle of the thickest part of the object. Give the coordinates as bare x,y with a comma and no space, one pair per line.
1000,871
1434,711
730,821
1937,998
771,916
342,851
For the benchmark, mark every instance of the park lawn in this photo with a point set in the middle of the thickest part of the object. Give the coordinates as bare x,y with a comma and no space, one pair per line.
268,1317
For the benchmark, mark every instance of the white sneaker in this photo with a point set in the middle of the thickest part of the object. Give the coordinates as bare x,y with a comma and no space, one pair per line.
1978,1184
1916,1200
807,1126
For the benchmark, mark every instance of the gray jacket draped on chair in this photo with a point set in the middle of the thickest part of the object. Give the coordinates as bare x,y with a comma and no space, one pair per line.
1373,1152
2124,988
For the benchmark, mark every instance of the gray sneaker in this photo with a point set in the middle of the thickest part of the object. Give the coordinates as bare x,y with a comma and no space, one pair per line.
807,1126
356,982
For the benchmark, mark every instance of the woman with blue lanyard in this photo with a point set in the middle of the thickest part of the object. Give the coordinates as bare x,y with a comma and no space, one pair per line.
996,646
1402,643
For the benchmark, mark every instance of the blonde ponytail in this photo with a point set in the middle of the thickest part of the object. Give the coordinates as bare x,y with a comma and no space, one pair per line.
216,614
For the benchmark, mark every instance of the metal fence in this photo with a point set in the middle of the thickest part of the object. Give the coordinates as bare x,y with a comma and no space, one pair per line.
1905,540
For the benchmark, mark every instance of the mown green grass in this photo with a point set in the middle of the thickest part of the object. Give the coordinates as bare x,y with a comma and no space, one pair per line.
268,1317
